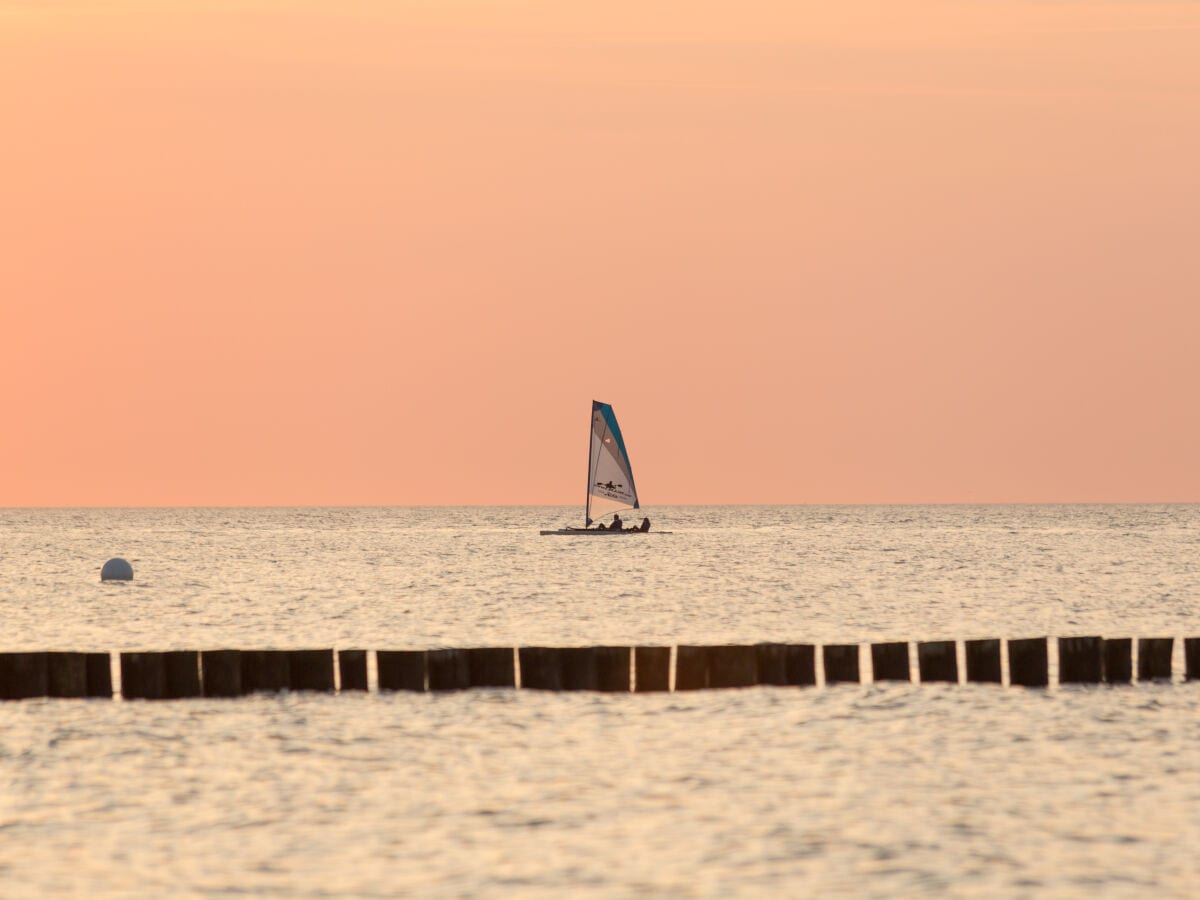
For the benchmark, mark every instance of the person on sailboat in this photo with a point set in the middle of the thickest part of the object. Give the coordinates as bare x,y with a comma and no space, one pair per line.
617,524
645,525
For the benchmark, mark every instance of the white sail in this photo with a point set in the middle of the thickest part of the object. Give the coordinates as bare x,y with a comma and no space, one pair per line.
610,478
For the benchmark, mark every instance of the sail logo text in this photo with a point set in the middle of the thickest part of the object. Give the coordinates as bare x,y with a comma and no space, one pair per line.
608,489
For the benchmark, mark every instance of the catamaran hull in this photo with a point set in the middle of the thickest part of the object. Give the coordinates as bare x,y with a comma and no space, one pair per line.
595,532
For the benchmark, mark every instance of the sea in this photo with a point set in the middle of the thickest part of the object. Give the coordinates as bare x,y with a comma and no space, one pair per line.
864,790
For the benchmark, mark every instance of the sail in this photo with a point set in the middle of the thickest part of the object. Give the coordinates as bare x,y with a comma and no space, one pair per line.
610,479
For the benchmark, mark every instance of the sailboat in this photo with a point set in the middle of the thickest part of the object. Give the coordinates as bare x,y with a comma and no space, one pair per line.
610,478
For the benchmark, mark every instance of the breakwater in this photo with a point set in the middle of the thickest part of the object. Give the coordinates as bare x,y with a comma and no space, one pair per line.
177,674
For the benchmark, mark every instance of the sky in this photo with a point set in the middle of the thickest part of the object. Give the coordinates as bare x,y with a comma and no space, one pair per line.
372,253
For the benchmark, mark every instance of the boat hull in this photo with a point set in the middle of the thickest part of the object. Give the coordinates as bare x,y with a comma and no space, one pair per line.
568,532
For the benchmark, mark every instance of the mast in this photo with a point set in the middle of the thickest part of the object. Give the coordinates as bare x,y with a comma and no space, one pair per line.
587,502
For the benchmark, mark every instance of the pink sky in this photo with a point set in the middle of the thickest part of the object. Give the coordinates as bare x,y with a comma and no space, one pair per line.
388,252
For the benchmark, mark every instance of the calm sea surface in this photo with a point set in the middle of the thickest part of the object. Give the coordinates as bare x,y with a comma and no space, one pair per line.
876,790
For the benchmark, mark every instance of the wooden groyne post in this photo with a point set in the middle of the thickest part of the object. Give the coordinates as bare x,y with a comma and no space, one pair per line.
541,668
447,670
492,667
23,676
182,671
1118,660
652,669
691,668
1080,660
310,670
938,661
840,663
786,665
265,671
66,674
1028,662
576,668
732,666
983,661
401,670
143,676
352,670
221,673
1154,658
889,662
1191,655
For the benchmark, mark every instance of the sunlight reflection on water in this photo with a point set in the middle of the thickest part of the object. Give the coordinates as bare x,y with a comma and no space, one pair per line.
886,789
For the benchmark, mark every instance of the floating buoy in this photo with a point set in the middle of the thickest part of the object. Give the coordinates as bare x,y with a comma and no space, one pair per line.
116,569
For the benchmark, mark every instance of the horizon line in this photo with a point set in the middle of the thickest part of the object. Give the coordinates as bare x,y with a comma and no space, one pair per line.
572,506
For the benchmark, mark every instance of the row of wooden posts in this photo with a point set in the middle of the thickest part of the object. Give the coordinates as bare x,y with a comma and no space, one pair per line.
231,673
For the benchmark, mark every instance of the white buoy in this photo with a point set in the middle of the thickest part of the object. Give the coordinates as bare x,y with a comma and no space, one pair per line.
116,569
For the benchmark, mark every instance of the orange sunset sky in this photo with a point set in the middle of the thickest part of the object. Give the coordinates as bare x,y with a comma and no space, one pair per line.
388,252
